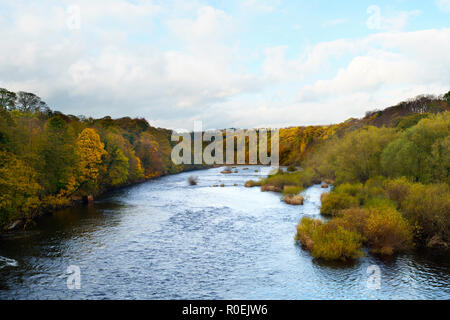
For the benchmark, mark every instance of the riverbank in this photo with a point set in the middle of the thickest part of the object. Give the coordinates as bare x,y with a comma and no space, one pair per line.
31,220
165,239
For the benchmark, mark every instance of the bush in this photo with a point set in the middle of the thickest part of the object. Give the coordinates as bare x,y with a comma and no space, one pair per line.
428,208
252,183
305,230
386,231
353,219
355,190
380,202
281,179
333,242
333,202
398,189
291,190
328,241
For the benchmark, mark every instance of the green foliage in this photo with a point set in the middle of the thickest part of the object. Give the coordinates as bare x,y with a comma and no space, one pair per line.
333,242
410,120
386,231
48,158
292,190
56,154
329,241
421,152
335,201
280,179
18,189
118,168
447,97
428,207
252,183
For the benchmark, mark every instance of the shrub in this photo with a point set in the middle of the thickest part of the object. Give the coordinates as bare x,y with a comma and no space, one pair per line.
380,202
281,179
291,190
386,231
353,219
328,241
398,189
305,230
333,202
428,206
333,242
252,183
355,190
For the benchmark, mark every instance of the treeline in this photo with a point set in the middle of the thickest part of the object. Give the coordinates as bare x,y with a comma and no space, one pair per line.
297,143
49,159
390,181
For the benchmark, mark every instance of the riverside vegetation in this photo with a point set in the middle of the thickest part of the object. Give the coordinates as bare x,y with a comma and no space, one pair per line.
390,170
49,159
390,173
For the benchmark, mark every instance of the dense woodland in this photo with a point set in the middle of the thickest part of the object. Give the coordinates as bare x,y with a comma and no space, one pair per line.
390,173
390,170
49,159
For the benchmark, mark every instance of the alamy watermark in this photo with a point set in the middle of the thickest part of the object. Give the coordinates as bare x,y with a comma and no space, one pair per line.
373,282
73,20
74,279
263,146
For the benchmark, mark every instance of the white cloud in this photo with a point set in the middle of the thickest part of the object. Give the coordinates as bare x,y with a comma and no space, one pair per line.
95,71
193,73
444,5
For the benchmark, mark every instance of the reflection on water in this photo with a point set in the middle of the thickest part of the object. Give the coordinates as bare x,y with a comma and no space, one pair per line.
166,240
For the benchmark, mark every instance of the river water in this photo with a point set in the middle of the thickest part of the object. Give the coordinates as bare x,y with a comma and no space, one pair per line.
164,239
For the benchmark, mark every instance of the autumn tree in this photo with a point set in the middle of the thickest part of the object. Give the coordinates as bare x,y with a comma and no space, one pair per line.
89,150
18,188
421,152
57,155
116,163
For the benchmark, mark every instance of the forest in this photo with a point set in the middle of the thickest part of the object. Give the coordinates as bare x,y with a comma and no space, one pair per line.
50,160
390,170
390,173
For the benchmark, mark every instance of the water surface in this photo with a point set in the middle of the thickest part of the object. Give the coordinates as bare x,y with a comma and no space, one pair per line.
164,239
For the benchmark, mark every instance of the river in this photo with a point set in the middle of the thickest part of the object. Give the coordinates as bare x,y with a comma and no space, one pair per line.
164,239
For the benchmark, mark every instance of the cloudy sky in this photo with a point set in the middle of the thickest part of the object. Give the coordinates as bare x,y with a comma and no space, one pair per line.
247,63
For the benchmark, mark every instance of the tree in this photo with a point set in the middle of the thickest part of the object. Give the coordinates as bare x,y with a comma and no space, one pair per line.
18,188
57,155
447,97
28,102
117,163
7,99
356,156
421,151
89,150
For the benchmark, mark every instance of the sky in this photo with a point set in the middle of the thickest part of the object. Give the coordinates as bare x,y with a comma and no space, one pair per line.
227,63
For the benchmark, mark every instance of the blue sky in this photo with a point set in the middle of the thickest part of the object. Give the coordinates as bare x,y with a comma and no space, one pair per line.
228,63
